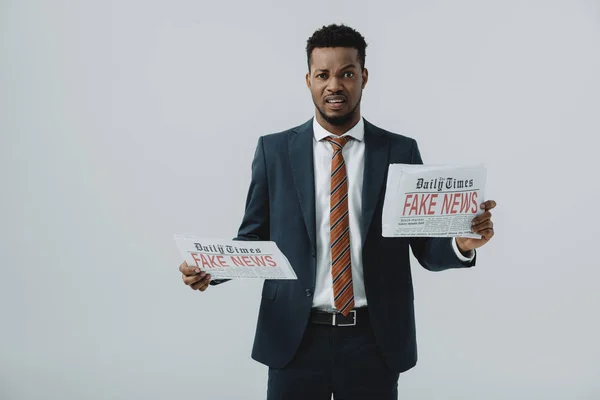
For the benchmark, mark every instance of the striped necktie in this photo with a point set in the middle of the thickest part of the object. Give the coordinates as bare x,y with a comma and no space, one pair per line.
341,267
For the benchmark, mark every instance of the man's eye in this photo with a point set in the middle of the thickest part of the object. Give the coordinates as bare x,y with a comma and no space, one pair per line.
349,74
321,76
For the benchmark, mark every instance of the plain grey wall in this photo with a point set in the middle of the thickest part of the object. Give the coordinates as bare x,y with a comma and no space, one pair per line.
124,122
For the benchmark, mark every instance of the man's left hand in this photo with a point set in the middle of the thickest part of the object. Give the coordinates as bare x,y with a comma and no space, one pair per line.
483,226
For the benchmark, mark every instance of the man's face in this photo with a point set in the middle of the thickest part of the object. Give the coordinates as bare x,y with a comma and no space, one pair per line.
336,82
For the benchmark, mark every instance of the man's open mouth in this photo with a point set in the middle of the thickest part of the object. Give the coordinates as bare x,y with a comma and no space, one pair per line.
335,102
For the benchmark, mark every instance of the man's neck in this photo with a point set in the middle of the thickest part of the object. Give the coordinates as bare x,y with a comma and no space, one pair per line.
338,130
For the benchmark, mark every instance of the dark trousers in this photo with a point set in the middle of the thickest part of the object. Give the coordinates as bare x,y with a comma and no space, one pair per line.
343,361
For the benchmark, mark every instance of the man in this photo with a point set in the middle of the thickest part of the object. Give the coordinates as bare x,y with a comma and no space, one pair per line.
346,325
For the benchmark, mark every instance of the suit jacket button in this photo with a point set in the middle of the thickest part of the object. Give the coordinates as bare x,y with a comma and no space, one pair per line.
309,292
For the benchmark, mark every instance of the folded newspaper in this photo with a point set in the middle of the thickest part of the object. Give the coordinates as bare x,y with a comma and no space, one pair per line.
432,200
228,259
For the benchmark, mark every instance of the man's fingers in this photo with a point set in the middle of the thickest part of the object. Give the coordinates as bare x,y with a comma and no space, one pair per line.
488,205
488,224
190,280
187,270
479,219
183,266
201,284
203,288
487,234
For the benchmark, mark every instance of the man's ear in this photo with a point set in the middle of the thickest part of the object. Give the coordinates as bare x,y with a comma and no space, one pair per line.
365,76
308,80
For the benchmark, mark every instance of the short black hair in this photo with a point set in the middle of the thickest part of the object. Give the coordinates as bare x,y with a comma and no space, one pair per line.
337,36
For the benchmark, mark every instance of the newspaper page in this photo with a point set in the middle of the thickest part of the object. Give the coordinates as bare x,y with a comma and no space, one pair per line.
432,200
230,259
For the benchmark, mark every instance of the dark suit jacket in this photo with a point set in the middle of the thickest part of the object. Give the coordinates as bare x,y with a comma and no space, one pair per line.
281,207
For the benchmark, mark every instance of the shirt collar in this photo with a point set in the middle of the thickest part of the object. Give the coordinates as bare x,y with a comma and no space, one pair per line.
357,132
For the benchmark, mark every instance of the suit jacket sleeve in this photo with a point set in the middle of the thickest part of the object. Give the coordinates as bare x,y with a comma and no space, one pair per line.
435,254
255,224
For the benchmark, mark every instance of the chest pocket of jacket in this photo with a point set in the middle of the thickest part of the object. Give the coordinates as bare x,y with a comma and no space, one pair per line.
269,290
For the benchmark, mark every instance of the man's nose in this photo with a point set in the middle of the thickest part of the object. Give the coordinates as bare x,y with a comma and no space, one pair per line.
335,85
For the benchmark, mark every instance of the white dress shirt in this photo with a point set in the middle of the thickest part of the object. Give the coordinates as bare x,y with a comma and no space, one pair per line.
354,158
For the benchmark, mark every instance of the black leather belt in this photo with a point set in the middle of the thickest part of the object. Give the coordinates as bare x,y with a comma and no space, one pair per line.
357,316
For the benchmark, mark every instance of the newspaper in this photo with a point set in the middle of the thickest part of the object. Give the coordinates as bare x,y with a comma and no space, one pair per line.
432,200
229,259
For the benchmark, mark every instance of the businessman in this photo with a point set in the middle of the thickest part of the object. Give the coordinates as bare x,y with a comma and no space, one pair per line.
346,326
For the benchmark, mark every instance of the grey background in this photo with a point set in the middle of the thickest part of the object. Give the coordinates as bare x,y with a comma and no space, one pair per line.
124,122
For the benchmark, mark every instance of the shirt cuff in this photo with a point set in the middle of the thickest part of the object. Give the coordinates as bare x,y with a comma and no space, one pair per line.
460,255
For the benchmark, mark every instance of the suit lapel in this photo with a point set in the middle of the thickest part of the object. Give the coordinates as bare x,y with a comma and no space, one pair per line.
301,159
376,164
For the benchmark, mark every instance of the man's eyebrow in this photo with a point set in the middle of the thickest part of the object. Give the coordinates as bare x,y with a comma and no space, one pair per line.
343,68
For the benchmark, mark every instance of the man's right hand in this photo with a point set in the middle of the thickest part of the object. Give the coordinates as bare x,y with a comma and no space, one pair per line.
194,278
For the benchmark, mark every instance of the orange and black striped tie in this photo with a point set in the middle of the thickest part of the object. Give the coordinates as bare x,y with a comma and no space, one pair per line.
341,266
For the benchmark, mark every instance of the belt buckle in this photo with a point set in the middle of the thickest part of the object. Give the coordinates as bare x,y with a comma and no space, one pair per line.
353,312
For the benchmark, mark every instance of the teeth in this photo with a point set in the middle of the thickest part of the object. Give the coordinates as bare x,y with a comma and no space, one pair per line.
335,101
